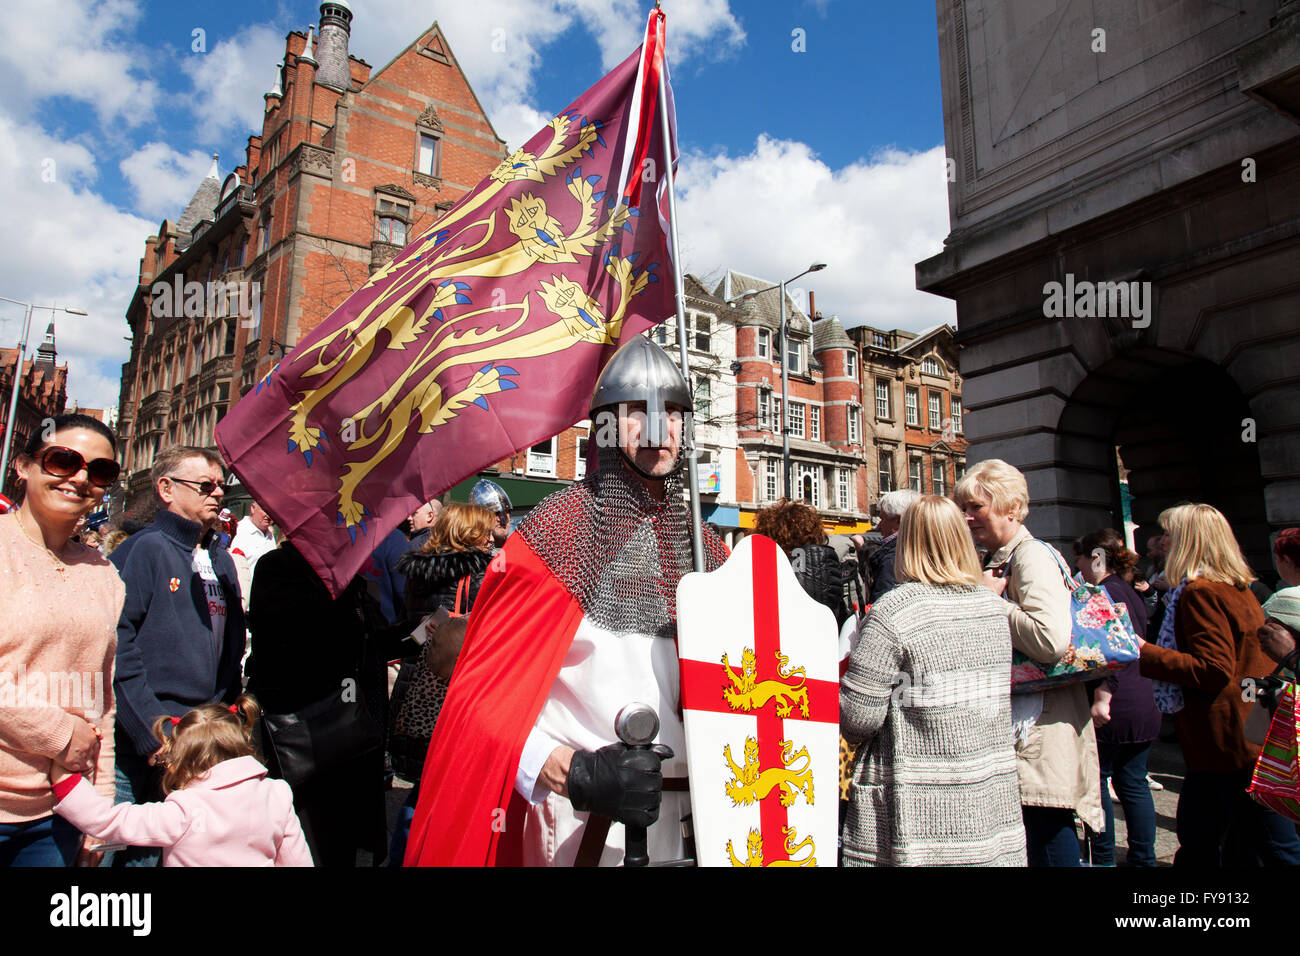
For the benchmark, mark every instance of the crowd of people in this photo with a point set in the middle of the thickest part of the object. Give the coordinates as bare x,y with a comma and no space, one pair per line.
488,668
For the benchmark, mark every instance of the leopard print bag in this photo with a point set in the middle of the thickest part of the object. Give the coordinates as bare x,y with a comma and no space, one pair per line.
416,713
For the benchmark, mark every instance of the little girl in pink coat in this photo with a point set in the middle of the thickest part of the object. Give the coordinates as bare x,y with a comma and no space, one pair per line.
220,810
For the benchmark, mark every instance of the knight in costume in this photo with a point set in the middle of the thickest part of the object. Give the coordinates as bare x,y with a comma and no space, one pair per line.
576,618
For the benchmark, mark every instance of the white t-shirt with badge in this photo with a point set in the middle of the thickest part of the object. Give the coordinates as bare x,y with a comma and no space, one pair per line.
202,566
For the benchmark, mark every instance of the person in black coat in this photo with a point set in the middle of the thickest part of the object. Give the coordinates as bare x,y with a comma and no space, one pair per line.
305,647
797,530
445,574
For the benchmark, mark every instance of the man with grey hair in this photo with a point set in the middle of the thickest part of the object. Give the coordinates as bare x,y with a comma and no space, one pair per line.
892,506
181,634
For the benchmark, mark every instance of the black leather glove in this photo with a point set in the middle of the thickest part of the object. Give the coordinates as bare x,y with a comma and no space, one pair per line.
619,782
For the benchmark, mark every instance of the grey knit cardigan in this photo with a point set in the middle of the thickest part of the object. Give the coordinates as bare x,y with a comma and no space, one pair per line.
927,698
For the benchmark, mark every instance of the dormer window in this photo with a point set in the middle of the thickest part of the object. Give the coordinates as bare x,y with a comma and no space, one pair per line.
930,366
794,357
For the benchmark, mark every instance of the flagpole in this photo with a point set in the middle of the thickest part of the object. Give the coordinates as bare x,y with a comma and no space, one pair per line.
692,466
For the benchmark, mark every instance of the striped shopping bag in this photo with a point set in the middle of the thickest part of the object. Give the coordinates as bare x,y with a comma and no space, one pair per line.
1275,783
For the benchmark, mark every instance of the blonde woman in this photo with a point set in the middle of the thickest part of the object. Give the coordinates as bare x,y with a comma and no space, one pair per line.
1216,620
927,700
1056,747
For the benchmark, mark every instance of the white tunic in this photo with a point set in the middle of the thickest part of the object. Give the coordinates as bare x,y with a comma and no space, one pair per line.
602,673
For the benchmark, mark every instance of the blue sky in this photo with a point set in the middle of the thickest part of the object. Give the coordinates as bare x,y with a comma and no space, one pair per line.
830,152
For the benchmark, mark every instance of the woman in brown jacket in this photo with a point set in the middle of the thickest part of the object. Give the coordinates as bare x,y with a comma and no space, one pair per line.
1056,747
1215,625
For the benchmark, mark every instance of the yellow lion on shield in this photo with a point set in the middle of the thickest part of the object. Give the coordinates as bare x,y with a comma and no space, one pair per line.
751,783
754,850
748,693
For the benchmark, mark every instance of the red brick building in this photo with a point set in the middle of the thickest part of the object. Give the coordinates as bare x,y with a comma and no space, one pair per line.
826,423
42,393
350,163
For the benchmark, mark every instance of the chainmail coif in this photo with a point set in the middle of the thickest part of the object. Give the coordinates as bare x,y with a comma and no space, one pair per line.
618,551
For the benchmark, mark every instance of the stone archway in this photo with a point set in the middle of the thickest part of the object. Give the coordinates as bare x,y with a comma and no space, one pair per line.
1184,430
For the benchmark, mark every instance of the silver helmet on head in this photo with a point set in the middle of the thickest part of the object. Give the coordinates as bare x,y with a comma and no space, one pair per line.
641,371
491,496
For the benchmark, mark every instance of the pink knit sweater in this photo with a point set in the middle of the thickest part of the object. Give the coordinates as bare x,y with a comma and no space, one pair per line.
58,638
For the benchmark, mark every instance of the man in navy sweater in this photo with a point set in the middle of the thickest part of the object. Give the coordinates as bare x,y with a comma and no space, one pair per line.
181,634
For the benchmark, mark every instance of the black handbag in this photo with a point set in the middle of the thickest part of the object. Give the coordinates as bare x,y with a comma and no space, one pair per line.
319,738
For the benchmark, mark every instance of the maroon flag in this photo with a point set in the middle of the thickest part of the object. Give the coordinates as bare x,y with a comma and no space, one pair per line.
481,338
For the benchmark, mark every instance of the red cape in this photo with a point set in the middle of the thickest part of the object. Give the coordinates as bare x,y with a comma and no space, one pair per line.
520,630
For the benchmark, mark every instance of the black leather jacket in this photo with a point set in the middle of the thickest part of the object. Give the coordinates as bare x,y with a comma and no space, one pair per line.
817,567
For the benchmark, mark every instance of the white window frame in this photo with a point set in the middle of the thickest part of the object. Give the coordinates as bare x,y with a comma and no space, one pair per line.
842,488
541,464
912,404
930,366
427,154
794,356
882,399
814,422
855,425
934,404
885,469
771,481
810,473
851,363
765,408
764,343
580,458
954,413
796,419
703,398
694,322
916,474
937,477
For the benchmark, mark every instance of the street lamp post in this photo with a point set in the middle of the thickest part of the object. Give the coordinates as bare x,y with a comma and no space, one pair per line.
18,374
785,368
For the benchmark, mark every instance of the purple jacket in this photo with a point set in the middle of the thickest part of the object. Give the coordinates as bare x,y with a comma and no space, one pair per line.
1134,718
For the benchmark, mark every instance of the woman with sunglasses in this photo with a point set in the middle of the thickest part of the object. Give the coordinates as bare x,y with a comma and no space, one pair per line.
58,637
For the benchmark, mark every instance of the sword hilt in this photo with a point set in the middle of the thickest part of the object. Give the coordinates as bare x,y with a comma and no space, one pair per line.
636,725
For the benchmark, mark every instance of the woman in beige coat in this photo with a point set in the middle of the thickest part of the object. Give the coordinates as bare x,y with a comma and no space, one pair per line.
1056,749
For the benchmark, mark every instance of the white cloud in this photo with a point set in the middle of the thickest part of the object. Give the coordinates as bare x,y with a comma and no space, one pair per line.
164,179
498,43
70,48
66,246
778,209
230,80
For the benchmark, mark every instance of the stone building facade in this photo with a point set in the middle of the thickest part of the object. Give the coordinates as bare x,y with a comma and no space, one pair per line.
1154,149
350,164
912,393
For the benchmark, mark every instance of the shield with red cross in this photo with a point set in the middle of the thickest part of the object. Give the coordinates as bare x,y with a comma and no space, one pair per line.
760,700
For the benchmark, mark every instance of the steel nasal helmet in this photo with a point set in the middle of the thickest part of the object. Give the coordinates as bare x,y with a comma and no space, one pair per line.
641,371
491,496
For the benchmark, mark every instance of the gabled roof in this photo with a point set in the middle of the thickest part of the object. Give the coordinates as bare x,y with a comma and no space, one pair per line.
925,335
766,308
444,48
